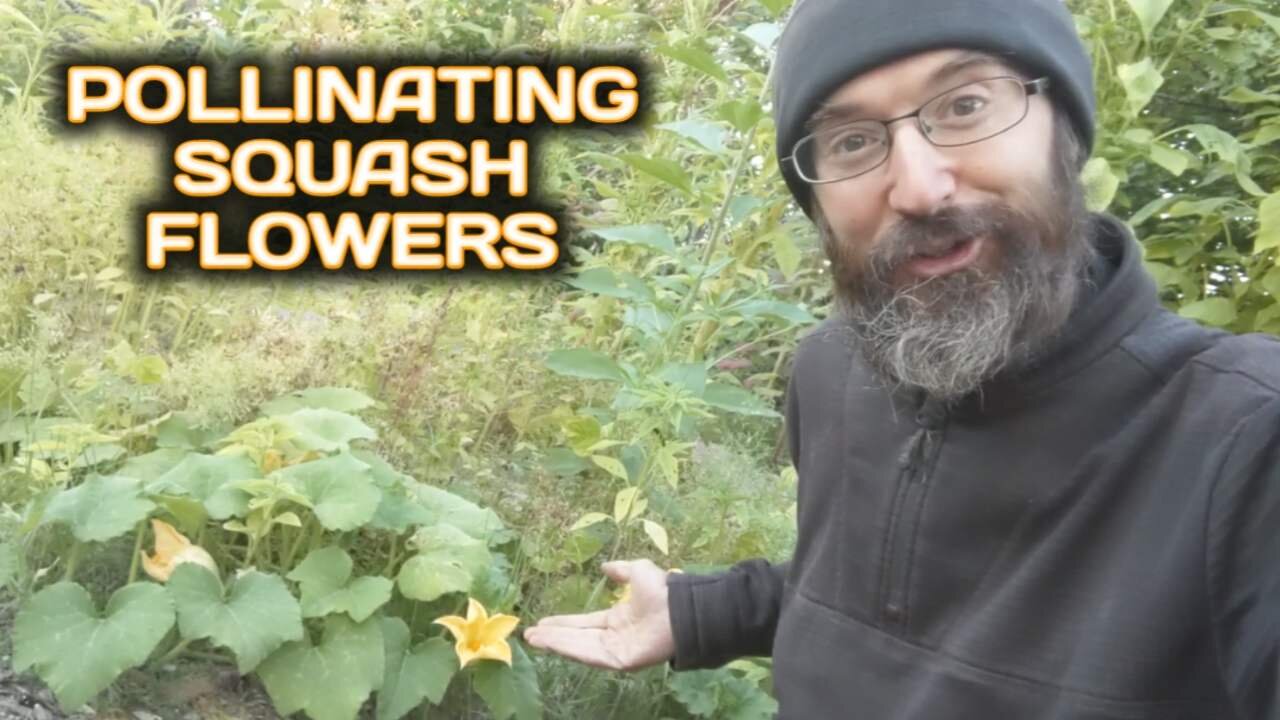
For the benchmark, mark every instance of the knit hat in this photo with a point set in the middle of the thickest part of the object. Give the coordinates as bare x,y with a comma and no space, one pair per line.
828,42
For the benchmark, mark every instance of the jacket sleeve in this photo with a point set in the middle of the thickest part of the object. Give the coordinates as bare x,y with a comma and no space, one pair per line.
1243,558
717,618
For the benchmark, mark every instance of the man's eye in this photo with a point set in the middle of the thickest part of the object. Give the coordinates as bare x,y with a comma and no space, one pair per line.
966,105
848,143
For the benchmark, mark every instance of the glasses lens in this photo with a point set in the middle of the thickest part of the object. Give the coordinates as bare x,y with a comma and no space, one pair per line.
840,152
975,111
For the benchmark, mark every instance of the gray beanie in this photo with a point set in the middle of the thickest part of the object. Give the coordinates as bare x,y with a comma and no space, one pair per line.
828,42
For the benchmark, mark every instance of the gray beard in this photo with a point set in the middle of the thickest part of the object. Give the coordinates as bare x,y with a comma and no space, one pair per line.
948,335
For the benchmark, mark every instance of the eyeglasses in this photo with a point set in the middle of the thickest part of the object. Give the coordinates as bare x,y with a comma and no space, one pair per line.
963,115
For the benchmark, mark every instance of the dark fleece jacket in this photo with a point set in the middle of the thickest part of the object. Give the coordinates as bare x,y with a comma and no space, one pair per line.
1093,538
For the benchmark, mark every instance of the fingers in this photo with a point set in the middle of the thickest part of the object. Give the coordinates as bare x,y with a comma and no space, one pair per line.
585,645
596,619
618,571
624,571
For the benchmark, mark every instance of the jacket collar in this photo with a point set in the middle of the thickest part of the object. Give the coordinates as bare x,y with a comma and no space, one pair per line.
1121,293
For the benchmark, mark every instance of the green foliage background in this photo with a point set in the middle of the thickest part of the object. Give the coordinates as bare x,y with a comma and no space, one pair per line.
638,394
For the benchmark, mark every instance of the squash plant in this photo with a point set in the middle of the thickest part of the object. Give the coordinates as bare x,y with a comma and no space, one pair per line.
309,561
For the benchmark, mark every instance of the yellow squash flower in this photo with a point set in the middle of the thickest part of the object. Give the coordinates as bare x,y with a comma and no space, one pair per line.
479,635
173,549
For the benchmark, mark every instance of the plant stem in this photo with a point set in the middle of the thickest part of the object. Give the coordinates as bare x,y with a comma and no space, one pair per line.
174,651
717,227
73,559
137,551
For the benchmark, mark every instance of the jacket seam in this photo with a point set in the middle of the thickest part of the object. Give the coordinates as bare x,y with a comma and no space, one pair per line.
1036,682
1230,447
1233,371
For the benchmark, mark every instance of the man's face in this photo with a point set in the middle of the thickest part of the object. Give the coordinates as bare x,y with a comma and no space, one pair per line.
952,263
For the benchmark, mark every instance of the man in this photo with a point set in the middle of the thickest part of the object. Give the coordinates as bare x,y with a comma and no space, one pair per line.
1026,489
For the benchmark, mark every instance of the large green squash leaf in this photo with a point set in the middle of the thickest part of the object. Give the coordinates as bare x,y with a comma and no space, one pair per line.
327,430
331,398
510,691
327,586
100,508
339,488
448,560
257,616
444,506
79,651
329,681
412,675
206,478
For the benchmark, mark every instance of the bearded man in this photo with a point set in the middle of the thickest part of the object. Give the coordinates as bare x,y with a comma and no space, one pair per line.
1026,490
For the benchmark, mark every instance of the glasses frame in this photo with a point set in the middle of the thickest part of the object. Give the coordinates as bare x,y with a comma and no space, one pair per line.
1037,86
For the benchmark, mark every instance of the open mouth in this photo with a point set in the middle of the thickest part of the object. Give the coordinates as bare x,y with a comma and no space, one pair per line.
946,257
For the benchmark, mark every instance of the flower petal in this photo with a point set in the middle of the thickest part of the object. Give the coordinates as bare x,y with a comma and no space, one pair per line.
169,541
476,611
199,556
457,626
156,569
497,630
499,650
465,654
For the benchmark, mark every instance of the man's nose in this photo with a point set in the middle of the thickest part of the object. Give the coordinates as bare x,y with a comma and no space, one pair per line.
922,177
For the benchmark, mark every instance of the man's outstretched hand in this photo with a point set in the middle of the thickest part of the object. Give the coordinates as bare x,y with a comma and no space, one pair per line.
631,635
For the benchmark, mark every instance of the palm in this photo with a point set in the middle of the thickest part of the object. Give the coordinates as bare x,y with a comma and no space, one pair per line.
628,636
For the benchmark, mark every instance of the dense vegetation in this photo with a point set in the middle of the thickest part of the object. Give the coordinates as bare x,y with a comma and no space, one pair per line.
360,457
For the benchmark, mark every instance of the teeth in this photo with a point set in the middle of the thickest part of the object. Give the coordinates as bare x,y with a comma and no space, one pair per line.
945,250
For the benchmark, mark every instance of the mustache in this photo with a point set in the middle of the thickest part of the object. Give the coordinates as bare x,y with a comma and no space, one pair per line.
916,235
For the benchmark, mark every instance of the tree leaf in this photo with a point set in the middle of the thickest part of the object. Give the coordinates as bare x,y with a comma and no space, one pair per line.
611,465
1268,224
1141,81
258,614
588,520
586,364
654,236
100,508
695,58
1149,13
690,376
1213,311
778,309
764,34
601,281
737,400
327,586
628,504
510,691
657,534
78,651
705,133
664,169
1171,159
329,681
206,478
1100,184
328,430
412,676
741,114
339,488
